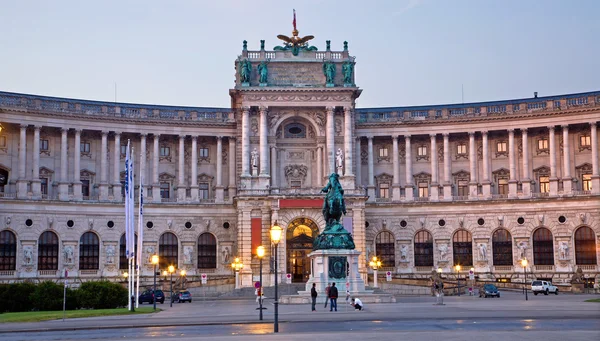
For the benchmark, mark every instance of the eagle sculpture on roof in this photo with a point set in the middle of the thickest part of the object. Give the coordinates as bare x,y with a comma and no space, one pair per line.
295,43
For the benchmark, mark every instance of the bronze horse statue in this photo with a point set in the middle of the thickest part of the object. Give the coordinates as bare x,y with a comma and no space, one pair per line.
333,205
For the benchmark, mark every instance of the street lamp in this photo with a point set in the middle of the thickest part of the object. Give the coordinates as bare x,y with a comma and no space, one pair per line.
524,265
276,232
260,252
171,271
457,267
165,273
154,261
237,266
375,264
182,273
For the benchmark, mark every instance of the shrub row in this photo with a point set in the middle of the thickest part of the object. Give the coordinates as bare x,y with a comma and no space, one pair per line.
48,295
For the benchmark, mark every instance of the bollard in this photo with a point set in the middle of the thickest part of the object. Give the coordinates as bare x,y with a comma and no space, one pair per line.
132,303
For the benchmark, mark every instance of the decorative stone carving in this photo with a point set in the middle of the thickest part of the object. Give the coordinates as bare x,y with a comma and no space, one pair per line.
254,158
297,98
404,253
295,155
149,254
272,119
50,221
169,223
541,219
68,254
295,172
583,217
188,252
522,249
339,160
482,251
28,255
364,156
422,222
500,221
110,254
563,250
443,250
338,127
461,221
225,254
7,220
90,223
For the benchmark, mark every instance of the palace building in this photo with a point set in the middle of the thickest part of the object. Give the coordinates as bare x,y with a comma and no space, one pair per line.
481,185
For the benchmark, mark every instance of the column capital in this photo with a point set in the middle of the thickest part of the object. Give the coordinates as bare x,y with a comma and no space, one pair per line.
407,137
395,137
524,130
37,127
182,136
104,132
511,131
232,138
23,126
245,109
432,135
78,131
446,135
565,126
484,132
593,124
471,134
370,137
194,138
219,138
117,132
144,135
263,109
63,130
348,110
330,109
156,136
358,138
551,128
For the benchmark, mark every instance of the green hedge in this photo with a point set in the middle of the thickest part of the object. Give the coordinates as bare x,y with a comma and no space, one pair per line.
102,295
16,297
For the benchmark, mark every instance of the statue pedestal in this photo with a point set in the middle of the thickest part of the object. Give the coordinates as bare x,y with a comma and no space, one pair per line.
577,288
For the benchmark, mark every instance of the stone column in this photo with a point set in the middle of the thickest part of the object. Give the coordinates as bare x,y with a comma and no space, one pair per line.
447,168
155,174
35,172
264,144
104,167
181,186
512,182
553,177
232,172
63,185
194,177
396,169
435,188
595,174
348,164
219,187
77,194
567,179
245,142
408,191
116,167
330,130
472,166
319,165
274,183
22,181
143,172
486,183
358,163
526,180
371,187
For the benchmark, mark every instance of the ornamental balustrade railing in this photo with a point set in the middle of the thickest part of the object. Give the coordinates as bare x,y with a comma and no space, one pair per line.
285,55
21,102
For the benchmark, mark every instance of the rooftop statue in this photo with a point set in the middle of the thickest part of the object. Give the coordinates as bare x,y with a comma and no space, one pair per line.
263,72
347,70
329,71
244,69
334,236
295,43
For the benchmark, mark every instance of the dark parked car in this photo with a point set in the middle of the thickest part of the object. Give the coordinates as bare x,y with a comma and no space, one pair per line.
489,290
183,296
148,296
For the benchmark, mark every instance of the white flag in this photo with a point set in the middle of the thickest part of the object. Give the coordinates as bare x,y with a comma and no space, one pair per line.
131,208
127,189
140,224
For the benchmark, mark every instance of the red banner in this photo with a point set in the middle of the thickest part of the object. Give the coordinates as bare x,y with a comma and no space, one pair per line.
300,203
256,233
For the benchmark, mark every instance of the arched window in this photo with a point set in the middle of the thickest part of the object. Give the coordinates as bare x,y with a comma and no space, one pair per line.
585,246
168,250
207,251
123,264
462,248
384,249
48,251
543,247
502,247
89,252
423,249
8,250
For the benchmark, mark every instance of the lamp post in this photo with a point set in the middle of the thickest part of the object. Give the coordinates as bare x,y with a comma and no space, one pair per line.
375,264
260,252
457,267
171,271
237,266
276,232
524,265
183,273
155,263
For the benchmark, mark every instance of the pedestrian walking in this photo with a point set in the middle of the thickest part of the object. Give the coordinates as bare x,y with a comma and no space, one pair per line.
327,294
313,296
333,296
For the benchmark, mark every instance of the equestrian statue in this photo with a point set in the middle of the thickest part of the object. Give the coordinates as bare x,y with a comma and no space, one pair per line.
334,236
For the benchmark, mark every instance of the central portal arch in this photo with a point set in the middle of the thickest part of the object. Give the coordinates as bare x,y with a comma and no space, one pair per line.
301,232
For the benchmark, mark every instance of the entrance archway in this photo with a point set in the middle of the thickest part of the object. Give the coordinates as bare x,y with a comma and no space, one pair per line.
301,233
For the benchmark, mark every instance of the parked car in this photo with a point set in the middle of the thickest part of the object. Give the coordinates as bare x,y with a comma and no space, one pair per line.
148,296
543,287
183,296
489,290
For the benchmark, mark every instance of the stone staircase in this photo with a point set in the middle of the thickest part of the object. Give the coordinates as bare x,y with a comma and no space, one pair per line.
269,292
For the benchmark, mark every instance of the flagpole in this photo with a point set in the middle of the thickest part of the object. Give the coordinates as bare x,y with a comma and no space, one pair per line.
140,233
132,229
127,236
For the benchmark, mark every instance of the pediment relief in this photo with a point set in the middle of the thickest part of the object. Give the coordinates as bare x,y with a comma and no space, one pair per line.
166,177
45,172
295,172
205,178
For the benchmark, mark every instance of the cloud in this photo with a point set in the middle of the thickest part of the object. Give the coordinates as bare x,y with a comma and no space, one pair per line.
410,5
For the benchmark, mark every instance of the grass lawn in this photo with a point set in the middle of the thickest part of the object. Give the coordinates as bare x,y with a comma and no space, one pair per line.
35,316
597,300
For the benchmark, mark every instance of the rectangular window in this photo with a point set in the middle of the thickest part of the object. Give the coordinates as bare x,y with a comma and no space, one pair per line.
384,190
85,188
461,149
501,147
203,152
85,147
44,145
544,184
203,190
463,188
543,144
123,149
422,151
586,181
165,190
44,185
423,190
503,186
383,152
165,151
585,140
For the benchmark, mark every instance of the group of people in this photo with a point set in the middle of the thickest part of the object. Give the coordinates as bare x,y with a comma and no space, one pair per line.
332,295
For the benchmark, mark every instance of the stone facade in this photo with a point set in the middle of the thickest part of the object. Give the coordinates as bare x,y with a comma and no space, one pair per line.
459,172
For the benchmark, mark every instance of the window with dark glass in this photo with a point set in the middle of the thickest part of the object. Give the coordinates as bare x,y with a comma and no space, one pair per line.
44,185
543,247
203,152
462,248
89,252
44,145
123,149
8,250
423,249
85,188
123,263
48,251
502,247
203,190
384,249
585,246
168,250
165,190
207,251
